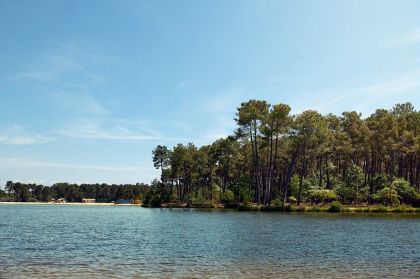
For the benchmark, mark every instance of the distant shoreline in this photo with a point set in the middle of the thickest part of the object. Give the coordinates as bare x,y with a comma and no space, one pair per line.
69,203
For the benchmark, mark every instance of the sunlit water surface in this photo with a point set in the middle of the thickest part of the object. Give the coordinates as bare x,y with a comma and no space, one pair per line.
48,241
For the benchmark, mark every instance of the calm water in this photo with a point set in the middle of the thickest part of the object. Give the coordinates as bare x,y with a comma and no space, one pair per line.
108,241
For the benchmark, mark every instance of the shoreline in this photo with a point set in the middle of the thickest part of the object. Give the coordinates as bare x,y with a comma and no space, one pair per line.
346,210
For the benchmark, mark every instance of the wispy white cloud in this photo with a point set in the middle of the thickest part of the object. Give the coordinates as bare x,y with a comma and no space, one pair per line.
68,75
408,38
28,163
369,95
76,101
62,62
111,129
404,83
16,135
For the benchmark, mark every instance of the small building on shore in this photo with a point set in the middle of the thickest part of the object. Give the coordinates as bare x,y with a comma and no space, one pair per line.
88,200
59,200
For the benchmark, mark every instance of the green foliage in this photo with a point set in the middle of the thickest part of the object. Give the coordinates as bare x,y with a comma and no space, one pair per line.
152,197
294,185
380,181
321,195
358,209
314,209
276,203
292,199
366,210
416,200
389,196
198,199
289,208
335,207
301,209
354,183
379,209
404,190
228,197
245,206
402,209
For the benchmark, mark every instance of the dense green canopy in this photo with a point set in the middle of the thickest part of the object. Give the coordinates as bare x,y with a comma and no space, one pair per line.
274,155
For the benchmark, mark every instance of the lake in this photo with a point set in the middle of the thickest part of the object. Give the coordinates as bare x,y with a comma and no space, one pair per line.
46,241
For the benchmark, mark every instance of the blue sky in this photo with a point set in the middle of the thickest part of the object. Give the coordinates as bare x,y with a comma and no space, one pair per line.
89,88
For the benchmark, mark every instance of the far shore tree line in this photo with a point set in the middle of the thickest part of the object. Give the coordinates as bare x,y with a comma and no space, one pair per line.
275,158
27,192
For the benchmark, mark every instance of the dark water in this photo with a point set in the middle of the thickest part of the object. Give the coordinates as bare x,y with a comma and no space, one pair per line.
108,241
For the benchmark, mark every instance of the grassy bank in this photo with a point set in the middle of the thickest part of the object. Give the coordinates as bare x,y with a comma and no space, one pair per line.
332,208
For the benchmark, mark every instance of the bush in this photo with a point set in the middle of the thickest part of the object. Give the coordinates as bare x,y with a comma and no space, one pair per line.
399,209
301,209
151,199
409,210
198,200
276,203
335,207
322,195
228,196
247,206
404,189
289,208
314,209
389,196
379,209
292,199
154,202
366,210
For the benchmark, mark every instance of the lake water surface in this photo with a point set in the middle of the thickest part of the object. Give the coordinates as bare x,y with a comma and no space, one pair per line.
47,241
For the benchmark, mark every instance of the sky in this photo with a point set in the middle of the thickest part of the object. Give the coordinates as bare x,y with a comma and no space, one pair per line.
89,88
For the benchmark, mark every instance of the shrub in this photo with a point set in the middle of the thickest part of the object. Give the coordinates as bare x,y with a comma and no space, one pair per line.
228,196
322,195
403,208
314,209
292,199
345,209
151,199
404,189
154,201
289,208
276,203
409,210
389,196
379,209
335,207
366,210
301,209
198,200
247,206
416,201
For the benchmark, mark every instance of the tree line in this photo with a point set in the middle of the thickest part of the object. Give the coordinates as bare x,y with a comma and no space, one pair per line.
276,157
24,192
